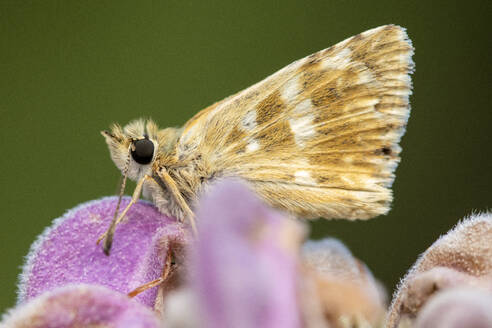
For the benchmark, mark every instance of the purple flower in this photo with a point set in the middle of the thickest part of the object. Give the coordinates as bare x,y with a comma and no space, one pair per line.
67,251
244,265
75,306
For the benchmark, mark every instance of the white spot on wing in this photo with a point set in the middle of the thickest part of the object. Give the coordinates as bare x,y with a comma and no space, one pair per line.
303,108
340,60
304,177
252,146
302,128
248,122
365,77
403,92
291,89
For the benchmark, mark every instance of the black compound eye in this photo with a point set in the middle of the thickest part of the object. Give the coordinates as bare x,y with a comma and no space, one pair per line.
143,151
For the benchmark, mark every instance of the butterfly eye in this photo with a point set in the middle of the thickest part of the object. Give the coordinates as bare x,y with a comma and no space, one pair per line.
142,151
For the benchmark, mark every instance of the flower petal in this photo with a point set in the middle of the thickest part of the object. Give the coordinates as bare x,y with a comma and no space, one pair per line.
244,264
80,306
462,257
347,292
67,251
457,308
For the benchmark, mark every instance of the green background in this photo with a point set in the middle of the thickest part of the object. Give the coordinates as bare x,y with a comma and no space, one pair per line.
70,68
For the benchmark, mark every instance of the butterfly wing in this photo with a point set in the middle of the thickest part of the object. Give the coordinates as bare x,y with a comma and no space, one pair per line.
318,138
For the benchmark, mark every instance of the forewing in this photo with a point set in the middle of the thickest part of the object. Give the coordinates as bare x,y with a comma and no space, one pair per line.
319,137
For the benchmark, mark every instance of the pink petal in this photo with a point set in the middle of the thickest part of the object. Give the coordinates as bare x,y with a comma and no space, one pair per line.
244,264
67,251
80,306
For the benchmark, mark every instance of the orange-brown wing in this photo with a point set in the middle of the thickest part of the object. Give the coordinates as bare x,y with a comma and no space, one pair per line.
319,137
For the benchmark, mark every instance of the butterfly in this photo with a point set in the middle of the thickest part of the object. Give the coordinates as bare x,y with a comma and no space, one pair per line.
319,138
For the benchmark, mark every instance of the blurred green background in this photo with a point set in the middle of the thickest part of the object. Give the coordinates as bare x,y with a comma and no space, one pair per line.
70,68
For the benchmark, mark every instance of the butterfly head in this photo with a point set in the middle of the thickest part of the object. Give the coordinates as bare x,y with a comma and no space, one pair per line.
133,147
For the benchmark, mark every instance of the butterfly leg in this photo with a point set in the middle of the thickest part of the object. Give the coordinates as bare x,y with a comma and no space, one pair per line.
110,232
173,189
168,267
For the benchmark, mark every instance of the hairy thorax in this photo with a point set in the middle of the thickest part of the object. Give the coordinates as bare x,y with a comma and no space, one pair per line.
190,176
